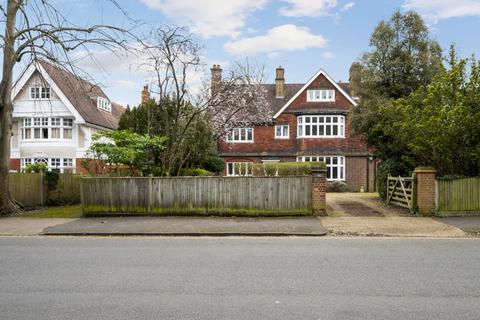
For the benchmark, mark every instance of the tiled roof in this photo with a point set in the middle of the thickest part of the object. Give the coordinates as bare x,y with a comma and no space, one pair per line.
83,96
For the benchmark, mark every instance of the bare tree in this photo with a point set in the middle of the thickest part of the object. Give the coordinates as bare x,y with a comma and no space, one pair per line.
34,30
174,59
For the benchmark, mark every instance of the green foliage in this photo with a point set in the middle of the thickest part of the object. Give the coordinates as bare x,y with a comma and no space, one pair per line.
37,167
110,150
191,142
195,172
52,178
392,167
403,58
272,169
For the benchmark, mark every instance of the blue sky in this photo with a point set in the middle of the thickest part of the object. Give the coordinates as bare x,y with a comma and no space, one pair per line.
300,35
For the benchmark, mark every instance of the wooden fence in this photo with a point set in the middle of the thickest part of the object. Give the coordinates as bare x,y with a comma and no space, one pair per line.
461,196
401,192
31,189
248,196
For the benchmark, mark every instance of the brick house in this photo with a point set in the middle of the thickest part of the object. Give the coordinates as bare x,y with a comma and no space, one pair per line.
310,123
55,114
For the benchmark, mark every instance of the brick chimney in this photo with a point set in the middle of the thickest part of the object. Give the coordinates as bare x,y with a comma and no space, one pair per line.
216,76
280,83
145,94
354,78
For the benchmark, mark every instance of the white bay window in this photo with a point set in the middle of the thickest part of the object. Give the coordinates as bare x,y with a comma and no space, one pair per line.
335,165
238,169
44,128
324,126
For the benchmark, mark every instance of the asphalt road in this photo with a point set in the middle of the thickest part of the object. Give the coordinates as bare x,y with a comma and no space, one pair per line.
234,278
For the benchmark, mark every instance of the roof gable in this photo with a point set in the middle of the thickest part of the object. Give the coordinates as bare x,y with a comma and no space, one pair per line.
299,92
80,96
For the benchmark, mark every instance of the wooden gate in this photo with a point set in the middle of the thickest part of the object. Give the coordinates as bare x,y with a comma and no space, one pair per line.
401,192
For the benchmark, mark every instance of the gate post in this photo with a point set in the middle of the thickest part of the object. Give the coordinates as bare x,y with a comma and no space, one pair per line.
319,187
425,180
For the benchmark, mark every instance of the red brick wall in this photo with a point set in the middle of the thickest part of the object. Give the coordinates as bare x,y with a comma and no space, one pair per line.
80,168
425,179
15,164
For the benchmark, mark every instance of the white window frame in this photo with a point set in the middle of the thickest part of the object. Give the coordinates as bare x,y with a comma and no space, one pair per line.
331,165
321,95
52,163
245,169
104,104
29,125
282,136
42,92
236,134
315,123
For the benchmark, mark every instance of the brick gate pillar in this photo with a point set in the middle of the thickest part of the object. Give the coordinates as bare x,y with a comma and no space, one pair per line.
425,180
319,187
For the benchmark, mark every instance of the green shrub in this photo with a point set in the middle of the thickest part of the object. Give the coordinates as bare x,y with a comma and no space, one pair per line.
195,172
37,167
393,168
272,169
214,163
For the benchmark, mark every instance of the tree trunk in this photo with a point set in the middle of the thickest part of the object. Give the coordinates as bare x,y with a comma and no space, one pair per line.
7,204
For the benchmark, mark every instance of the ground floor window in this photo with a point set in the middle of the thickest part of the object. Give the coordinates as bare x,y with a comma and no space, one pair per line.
235,169
52,163
335,165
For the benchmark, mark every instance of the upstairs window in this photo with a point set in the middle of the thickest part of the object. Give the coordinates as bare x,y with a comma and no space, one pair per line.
321,126
240,135
42,128
321,95
39,92
281,131
104,104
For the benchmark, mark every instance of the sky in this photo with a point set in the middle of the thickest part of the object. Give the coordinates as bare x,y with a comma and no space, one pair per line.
300,35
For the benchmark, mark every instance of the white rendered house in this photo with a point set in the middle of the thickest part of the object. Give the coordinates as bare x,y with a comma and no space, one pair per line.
55,114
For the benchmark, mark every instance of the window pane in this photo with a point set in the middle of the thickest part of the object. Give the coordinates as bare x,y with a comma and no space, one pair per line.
67,133
55,133
68,122
44,133
36,133
314,130
285,131
307,131
328,131
335,130
334,173
250,134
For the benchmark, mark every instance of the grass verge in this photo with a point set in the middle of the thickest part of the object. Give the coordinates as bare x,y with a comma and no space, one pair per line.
56,212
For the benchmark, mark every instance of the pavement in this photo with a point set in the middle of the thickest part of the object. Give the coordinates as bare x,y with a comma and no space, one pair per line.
469,224
16,226
191,226
44,278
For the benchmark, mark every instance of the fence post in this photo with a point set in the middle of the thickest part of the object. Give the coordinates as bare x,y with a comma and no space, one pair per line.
319,186
425,185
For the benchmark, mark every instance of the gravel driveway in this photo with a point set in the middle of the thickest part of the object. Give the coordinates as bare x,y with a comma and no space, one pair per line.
359,205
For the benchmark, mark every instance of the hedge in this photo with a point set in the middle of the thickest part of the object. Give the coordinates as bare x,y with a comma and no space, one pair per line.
272,169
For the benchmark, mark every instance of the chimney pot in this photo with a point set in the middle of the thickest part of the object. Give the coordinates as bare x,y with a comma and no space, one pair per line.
216,76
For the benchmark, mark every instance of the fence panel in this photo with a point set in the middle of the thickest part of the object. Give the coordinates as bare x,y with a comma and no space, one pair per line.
458,196
203,195
28,189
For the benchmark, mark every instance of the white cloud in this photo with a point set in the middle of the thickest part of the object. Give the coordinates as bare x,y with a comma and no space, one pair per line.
444,9
287,37
209,18
348,6
328,55
307,8
123,84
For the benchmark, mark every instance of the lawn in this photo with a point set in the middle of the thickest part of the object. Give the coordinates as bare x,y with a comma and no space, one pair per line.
56,212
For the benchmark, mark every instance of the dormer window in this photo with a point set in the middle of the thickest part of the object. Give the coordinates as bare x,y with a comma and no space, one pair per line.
39,92
321,95
104,104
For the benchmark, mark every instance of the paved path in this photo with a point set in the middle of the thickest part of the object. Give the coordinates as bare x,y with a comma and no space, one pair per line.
27,226
217,226
390,226
235,278
467,224
360,205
